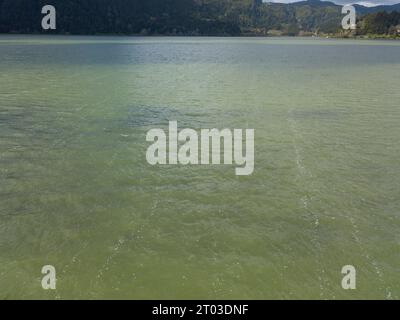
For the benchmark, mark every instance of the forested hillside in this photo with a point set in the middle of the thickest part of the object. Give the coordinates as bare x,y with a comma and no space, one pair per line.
381,23
191,17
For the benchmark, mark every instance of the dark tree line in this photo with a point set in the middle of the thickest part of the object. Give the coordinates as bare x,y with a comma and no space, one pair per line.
115,17
381,23
184,17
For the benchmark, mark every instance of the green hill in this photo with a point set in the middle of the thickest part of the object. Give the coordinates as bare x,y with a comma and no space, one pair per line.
188,17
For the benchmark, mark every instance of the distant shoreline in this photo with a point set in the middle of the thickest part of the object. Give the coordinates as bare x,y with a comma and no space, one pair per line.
322,36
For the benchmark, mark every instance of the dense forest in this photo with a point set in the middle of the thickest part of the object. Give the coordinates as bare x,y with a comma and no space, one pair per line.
193,17
380,23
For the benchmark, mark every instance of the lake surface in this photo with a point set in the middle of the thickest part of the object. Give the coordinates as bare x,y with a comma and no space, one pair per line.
77,193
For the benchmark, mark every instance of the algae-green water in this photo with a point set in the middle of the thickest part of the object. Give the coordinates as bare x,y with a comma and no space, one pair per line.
76,191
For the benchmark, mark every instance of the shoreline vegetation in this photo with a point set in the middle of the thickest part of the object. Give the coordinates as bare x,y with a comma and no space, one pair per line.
244,18
312,36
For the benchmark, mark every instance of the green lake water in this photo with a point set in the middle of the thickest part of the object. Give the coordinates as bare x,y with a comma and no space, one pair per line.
77,193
